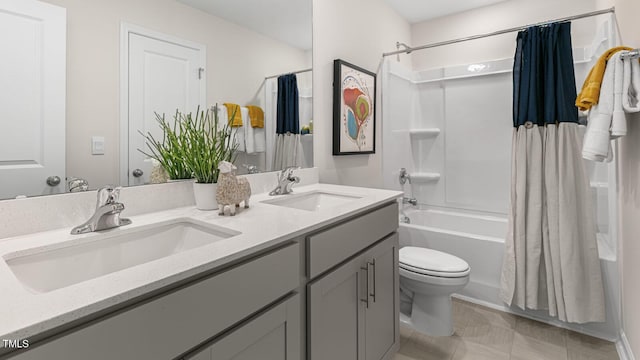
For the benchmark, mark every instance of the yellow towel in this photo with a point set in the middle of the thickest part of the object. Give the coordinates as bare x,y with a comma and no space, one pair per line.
235,116
590,92
256,115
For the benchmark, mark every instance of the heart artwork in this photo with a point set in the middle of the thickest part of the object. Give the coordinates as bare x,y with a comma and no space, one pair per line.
357,112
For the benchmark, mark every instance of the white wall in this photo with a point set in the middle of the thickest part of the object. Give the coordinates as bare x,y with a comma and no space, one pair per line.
237,62
357,31
629,193
504,15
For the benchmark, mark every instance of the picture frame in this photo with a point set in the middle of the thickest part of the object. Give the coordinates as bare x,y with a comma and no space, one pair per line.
354,109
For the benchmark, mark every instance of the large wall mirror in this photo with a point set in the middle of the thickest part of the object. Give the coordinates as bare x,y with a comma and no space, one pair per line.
83,78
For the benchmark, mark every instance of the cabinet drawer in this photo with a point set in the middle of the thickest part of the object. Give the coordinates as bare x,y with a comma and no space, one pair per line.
171,325
273,335
332,246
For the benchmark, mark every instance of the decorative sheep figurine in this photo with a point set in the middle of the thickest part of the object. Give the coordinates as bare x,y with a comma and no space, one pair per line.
231,190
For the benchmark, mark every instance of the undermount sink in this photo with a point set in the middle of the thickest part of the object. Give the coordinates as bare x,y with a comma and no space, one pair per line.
312,201
45,269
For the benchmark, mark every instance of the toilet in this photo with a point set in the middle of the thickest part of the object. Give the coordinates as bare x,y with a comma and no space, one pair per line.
427,279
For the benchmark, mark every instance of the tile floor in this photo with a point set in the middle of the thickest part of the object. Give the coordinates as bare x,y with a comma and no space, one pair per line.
485,334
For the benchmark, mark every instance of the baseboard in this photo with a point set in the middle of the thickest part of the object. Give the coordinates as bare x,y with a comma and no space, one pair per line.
624,348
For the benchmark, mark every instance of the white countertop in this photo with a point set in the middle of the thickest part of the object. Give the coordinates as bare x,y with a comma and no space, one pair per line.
24,313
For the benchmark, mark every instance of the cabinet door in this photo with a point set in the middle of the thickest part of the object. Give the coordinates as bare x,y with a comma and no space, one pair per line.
336,314
274,335
382,316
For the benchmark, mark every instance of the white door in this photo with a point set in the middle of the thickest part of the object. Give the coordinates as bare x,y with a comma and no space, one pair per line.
32,97
163,74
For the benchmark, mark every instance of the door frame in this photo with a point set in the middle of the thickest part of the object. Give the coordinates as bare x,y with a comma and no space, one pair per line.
125,30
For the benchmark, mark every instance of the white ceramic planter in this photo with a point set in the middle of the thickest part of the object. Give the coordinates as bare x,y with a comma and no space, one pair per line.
205,195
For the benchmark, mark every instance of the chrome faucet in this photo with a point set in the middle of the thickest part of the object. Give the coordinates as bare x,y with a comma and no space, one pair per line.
251,169
107,214
286,179
403,176
412,201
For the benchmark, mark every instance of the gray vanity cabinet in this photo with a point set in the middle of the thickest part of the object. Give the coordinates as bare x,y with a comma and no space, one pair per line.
336,314
353,309
329,295
382,330
179,321
275,334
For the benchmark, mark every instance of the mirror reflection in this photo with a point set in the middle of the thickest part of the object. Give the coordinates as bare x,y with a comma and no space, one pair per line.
88,77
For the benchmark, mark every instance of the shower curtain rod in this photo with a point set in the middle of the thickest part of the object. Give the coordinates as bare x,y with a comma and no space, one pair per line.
287,73
408,49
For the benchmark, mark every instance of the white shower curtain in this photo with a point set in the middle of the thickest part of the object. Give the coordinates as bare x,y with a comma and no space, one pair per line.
551,257
287,151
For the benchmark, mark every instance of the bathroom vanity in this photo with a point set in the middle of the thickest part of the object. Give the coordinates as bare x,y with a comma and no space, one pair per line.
312,275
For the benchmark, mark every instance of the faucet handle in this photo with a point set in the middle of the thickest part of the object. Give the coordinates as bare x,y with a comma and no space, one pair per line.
115,195
288,171
108,195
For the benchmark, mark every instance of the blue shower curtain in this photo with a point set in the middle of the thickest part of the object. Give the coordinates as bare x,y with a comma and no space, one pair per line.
287,144
551,258
288,115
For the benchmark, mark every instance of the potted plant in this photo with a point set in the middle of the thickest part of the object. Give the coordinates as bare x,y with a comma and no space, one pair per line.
169,152
209,143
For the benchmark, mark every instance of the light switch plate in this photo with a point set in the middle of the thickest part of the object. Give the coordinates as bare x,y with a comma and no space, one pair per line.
97,145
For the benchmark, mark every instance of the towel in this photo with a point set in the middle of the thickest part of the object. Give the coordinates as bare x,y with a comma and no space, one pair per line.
260,138
235,115
223,117
590,93
236,133
631,85
256,115
248,133
607,119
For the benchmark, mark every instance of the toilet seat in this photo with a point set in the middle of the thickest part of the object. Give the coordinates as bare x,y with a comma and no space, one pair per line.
432,263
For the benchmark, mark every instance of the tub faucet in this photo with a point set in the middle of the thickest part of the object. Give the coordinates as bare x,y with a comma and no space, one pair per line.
403,176
107,214
286,179
251,169
412,201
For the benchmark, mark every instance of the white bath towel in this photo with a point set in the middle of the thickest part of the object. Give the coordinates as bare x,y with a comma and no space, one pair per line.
236,132
223,117
260,138
631,85
249,141
606,119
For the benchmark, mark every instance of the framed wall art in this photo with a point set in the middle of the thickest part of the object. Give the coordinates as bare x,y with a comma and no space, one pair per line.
354,120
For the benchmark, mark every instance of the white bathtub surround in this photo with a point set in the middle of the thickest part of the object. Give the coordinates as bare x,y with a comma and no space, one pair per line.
262,226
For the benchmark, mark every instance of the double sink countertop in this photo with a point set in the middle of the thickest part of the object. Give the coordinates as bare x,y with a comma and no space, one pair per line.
25,313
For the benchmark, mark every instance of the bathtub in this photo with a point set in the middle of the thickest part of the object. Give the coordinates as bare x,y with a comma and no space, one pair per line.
479,240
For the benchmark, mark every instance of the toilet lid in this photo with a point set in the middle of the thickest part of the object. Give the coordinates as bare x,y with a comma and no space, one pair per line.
432,262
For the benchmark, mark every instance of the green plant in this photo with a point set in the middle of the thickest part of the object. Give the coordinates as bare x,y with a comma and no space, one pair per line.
170,151
209,143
